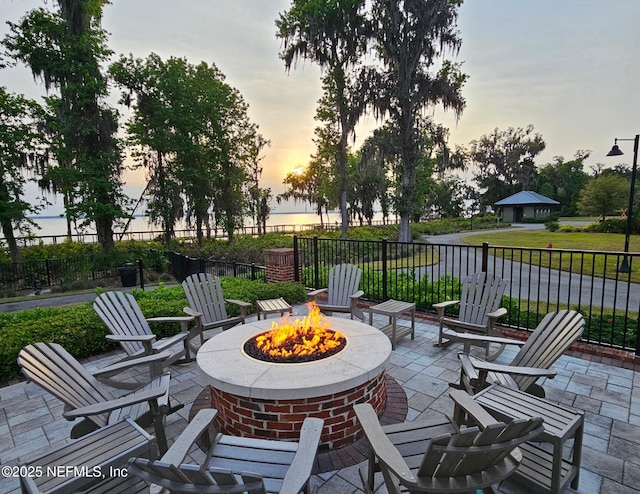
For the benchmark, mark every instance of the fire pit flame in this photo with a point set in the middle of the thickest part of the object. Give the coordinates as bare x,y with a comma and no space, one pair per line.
300,340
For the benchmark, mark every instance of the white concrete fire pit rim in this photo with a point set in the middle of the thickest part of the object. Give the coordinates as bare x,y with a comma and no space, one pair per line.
230,370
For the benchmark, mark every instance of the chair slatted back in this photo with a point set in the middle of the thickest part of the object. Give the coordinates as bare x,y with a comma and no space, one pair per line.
121,314
472,451
192,478
555,334
204,293
480,295
51,367
344,281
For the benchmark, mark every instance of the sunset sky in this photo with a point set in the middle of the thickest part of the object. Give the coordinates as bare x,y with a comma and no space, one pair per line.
570,68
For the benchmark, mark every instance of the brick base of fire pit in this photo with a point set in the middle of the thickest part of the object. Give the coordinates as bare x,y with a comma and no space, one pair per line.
282,419
270,400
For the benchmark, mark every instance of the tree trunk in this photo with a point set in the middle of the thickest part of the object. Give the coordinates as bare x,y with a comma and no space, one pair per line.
7,230
104,229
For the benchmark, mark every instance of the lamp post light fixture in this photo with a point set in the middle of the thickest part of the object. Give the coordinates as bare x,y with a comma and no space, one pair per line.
625,265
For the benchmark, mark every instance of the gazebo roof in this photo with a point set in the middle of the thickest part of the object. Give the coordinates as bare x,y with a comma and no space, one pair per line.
526,198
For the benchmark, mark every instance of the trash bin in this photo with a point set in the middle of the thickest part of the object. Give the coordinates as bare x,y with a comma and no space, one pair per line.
128,275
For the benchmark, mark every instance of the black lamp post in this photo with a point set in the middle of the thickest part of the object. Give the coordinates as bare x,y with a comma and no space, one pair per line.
625,265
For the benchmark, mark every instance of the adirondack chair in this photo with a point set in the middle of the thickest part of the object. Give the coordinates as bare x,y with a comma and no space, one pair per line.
235,464
479,302
343,291
52,368
207,303
121,314
436,456
555,334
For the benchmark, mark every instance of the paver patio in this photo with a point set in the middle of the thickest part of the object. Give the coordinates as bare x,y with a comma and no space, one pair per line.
31,419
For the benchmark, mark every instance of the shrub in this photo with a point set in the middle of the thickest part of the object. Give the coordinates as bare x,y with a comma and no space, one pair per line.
552,226
79,329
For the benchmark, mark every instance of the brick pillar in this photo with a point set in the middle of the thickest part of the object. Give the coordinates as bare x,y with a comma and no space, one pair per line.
279,263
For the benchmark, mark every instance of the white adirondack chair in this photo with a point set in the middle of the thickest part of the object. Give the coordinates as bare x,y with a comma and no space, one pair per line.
343,291
437,456
480,300
207,303
555,334
237,464
52,368
121,314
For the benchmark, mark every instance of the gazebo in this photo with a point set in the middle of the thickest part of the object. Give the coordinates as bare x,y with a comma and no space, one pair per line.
525,204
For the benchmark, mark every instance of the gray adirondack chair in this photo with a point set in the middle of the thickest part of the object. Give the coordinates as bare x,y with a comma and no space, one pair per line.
207,303
235,464
551,338
52,368
437,456
343,291
480,300
122,316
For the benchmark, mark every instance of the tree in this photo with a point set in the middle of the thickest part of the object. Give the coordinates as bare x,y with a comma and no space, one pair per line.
505,162
332,34
409,37
604,195
147,87
193,131
258,197
19,142
563,181
65,49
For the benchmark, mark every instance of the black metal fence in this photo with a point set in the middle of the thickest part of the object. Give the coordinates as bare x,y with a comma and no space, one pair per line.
182,266
69,273
540,280
36,274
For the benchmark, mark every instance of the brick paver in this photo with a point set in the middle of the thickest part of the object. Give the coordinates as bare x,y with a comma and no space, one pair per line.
607,389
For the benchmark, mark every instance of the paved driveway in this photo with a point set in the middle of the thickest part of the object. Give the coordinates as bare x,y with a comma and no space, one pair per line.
537,283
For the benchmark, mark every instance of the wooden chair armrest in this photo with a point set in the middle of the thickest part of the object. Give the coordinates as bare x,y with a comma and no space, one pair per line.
356,295
131,337
299,471
441,306
497,313
467,367
202,423
127,364
313,294
482,338
380,443
190,312
472,408
109,406
511,369
240,303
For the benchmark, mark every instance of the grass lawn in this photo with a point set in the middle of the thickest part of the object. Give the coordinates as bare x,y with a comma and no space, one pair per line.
596,264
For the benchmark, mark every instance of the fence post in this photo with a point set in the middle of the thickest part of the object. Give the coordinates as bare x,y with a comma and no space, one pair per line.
485,256
296,259
46,263
253,271
384,269
316,263
235,269
141,270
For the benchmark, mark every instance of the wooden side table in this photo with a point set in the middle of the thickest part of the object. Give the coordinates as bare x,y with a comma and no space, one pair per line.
393,309
540,470
272,306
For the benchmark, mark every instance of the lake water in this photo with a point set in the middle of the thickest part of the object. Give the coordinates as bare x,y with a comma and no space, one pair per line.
51,226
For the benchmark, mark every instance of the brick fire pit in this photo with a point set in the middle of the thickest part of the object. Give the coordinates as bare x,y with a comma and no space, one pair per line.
270,400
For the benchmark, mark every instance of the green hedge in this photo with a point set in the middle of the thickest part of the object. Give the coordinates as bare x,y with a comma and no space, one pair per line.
81,332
